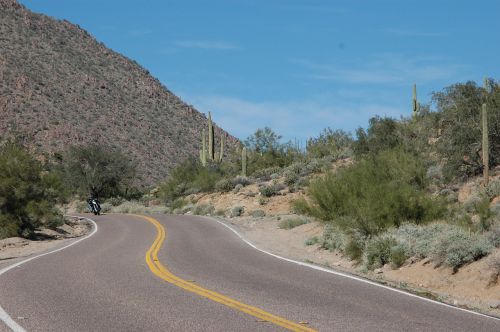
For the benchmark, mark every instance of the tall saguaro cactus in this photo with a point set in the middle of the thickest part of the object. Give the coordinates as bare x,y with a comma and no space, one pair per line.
203,151
416,105
211,141
211,155
221,154
485,144
244,161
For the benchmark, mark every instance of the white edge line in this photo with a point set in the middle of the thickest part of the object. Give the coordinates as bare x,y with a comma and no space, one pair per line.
319,268
4,316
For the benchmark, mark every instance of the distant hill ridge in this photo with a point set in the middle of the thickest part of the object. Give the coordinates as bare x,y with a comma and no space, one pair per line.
59,87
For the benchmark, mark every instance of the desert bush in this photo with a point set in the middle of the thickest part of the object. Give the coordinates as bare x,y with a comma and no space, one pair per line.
493,189
266,173
203,209
336,143
130,207
291,178
115,201
434,172
242,180
190,177
81,206
494,234
471,203
373,194
378,251
333,238
220,212
224,185
178,203
312,240
263,200
237,211
269,190
258,213
26,203
293,222
237,188
106,207
354,248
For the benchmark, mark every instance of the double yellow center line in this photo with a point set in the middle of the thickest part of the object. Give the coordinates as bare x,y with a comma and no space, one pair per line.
162,272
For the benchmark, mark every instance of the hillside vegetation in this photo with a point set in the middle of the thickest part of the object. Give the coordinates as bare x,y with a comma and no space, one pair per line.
388,194
60,87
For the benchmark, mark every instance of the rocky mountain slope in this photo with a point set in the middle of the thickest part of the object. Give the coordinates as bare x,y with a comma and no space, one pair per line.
59,87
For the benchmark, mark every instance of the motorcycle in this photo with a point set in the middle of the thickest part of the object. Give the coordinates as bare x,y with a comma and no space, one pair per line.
94,206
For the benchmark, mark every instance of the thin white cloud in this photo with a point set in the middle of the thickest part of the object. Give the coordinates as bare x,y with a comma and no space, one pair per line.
414,33
384,69
140,32
205,44
293,119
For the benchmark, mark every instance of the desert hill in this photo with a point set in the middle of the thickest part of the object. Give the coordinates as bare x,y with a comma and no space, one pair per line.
59,86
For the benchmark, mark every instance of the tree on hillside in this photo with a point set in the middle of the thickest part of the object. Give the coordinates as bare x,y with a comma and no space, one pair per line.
99,170
263,140
459,112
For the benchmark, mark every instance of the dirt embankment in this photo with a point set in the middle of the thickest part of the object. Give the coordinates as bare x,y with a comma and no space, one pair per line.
16,247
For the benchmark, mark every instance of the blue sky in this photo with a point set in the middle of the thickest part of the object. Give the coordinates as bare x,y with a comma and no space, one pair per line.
297,66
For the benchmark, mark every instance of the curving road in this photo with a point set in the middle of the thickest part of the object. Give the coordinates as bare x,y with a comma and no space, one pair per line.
200,276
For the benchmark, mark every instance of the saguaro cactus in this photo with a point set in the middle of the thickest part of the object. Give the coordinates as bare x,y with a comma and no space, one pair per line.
244,161
486,147
203,151
221,154
211,141
416,105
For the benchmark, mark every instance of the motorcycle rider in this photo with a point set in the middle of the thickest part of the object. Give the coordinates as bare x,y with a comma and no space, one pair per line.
94,208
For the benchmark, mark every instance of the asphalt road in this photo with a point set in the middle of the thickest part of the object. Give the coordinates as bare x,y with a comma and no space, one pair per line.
105,284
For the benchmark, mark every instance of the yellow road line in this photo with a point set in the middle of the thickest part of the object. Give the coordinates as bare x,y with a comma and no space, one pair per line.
162,272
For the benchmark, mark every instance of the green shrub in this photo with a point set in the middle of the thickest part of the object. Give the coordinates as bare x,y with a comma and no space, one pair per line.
258,213
333,238
378,251
292,223
493,189
269,190
494,235
373,194
312,240
178,203
106,207
330,142
354,249
203,209
220,212
115,201
237,211
224,185
291,178
265,173
26,201
81,206
241,180
190,177
456,247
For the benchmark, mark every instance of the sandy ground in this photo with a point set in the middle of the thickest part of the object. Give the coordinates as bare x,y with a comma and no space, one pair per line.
14,248
471,287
